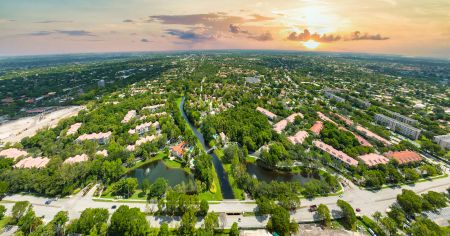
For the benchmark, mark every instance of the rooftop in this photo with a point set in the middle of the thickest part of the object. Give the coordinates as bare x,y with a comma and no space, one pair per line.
373,159
404,157
76,159
130,115
179,148
73,128
30,162
317,127
94,136
373,135
13,153
281,125
299,137
335,153
267,113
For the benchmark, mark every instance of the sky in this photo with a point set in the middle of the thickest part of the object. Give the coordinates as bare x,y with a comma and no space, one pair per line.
403,27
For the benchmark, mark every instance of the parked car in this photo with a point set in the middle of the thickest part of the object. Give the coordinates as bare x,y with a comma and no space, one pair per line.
113,207
312,208
358,210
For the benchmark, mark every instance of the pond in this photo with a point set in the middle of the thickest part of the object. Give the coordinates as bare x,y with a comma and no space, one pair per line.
157,169
268,175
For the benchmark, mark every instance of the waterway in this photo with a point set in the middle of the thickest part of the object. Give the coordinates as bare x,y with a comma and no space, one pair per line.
157,169
227,191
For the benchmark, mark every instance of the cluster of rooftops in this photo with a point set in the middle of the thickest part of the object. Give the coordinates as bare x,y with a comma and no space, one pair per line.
371,159
25,160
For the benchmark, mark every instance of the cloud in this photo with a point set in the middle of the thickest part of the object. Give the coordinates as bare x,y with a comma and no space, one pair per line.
262,37
257,17
41,33
235,29
52,21
189,35
75,33
358,36
216,21
144,40
6,20
306,35
328,38
128,21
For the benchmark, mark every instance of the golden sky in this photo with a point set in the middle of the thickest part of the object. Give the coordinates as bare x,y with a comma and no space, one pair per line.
404,27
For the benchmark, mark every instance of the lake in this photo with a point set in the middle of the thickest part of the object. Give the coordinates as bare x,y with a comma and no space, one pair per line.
157,169
268,175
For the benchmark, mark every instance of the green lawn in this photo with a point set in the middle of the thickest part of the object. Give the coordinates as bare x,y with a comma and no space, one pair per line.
210,196
158,156
238,193
250,159
4,222
172,164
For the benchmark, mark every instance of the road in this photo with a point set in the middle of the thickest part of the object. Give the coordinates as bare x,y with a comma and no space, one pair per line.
367,201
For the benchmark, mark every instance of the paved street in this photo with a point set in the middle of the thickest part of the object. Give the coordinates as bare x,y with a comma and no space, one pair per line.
367,201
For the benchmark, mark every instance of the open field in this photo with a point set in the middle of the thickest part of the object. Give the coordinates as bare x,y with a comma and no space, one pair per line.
16,130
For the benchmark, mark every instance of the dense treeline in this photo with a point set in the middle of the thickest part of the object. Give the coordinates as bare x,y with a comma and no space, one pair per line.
244,125
342,140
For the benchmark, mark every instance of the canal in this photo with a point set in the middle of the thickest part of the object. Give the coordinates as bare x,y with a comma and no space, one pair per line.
227,192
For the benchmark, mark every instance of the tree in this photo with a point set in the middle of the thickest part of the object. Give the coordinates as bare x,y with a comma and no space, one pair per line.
145,185
3,188
411,174
202,169
434,200
128,221
348,214
424,226
324,214
377,216
163,230
29,222
389,225
187,224
19,209
210,222
125,187
59,221
279,221
234,231
90,218
410,202
265,205
158,188
204,207
397,215
2,211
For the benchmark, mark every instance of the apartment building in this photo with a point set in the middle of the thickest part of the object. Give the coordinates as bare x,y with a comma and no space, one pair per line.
398,126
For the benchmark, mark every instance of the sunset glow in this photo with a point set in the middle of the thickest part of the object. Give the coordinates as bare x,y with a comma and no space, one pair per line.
385,26
311,44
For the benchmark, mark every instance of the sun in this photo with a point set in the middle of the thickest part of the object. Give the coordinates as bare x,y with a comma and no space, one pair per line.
311,44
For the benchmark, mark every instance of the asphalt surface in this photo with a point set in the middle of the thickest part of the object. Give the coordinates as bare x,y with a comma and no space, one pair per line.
367,201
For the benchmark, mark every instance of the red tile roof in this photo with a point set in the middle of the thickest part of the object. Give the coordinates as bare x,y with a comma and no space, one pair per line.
179,148
404,157
317,127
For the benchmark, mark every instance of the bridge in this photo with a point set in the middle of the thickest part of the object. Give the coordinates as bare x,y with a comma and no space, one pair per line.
211,149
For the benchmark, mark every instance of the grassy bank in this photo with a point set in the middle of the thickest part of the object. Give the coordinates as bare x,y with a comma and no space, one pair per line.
238,193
